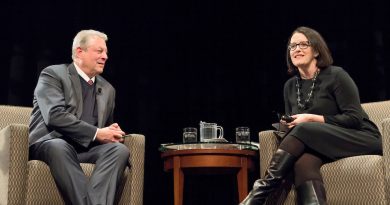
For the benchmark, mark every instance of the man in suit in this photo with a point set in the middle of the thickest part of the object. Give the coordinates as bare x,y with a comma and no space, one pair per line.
72,123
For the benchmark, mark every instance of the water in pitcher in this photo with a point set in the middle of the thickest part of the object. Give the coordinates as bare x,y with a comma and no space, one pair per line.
209,131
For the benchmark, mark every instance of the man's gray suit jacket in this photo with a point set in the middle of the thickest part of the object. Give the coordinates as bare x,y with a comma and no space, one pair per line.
58,105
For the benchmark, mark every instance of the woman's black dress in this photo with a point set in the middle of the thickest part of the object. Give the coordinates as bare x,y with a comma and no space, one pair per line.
347,130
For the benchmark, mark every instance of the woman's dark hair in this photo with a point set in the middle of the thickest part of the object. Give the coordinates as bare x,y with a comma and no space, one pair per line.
324,58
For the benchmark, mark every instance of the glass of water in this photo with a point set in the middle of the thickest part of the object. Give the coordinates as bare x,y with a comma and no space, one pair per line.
243,135
190,135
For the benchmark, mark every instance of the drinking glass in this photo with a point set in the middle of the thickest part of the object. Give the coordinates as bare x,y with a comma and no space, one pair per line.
190,135
243,135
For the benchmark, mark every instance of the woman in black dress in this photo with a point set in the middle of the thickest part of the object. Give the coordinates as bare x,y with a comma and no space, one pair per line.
328,121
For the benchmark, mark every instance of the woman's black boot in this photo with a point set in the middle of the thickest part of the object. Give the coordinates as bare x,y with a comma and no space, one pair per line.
281,163
311,193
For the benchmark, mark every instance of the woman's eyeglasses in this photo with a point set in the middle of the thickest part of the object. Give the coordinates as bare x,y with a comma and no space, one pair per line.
302,45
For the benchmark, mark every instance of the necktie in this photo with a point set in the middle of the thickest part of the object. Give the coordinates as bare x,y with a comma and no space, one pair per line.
90,82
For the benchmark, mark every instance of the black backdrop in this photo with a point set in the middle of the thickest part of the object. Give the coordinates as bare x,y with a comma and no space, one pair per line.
177,62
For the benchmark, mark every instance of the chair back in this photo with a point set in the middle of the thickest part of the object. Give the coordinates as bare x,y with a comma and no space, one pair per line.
377,111
14,115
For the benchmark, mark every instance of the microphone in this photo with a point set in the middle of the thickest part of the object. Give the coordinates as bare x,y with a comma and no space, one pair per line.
99,91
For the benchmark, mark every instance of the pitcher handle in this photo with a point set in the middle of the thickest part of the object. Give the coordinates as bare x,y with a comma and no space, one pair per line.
221,131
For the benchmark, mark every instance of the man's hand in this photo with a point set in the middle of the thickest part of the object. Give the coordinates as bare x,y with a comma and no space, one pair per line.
112,133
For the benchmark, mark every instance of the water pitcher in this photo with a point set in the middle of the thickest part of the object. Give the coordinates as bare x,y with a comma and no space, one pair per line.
209,131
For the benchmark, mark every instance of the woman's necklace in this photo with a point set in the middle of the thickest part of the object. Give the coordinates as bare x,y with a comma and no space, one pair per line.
303,106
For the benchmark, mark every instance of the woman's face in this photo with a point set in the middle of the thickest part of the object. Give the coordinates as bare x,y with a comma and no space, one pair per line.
301,53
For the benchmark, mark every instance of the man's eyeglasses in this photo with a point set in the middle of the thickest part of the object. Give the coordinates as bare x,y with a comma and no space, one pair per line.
302,45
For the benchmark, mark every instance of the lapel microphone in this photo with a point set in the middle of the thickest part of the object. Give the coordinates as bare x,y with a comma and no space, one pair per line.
99,91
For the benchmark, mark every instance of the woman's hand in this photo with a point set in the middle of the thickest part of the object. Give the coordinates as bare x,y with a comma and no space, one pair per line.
299,118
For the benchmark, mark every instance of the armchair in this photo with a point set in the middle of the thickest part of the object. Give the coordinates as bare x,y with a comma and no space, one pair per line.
354,180
30,182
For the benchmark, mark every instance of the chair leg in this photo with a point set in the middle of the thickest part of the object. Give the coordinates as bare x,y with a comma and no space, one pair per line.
311,193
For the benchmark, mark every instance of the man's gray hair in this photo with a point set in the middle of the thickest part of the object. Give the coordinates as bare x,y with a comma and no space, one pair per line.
82,39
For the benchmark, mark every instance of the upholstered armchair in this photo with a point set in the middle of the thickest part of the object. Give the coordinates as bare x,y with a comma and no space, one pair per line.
30,182
354,180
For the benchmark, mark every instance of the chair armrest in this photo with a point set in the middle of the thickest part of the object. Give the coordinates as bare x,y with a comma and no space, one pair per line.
386,138
135,180
268,143
386,154
15,139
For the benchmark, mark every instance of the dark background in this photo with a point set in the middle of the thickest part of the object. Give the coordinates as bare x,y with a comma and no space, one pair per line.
176,62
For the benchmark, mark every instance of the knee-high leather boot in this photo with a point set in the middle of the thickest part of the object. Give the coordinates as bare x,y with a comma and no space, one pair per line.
311,193
280,164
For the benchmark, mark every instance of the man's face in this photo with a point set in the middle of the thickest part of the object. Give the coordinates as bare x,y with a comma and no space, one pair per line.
93,58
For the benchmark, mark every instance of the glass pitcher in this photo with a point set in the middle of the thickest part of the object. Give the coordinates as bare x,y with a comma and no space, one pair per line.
209,131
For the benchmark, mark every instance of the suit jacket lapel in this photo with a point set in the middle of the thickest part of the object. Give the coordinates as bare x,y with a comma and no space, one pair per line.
74,77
